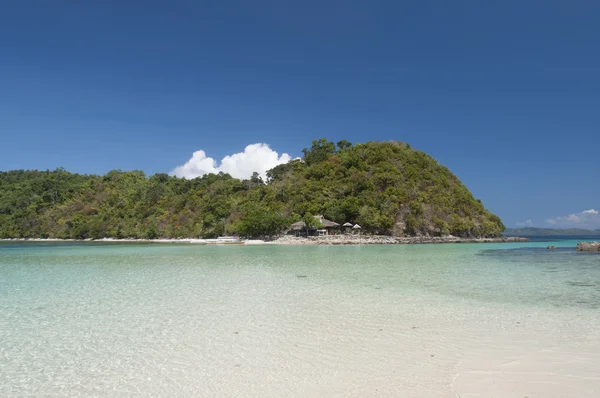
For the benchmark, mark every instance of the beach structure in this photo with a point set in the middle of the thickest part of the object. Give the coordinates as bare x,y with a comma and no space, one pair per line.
356,229
347,227
328,227
298,229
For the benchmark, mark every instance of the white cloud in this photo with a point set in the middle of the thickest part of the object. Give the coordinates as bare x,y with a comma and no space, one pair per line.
256,157
527,223
588,219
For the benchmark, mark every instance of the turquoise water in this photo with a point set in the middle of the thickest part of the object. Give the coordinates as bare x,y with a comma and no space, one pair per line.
145,319
525,273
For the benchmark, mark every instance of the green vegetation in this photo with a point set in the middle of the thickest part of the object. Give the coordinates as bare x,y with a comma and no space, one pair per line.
386,187
531,231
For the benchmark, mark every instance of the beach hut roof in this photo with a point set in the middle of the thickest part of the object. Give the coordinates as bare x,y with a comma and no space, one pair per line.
297,226
328,223
348,224
356,226
301,225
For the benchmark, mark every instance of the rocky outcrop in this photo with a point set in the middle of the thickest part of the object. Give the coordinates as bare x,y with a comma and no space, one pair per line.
588,247
456,239
386,240
551,248
337,240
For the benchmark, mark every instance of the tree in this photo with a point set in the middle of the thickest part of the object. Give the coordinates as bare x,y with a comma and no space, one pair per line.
319,151
343,144
280,171
310,222
256,179
259,221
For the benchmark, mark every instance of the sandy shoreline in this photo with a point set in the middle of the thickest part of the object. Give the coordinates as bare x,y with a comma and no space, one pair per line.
290,240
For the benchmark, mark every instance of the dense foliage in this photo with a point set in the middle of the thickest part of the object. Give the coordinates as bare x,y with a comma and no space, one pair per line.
386,187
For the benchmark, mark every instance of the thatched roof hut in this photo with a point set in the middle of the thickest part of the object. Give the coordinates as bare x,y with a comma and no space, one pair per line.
298,226
348,224
327,223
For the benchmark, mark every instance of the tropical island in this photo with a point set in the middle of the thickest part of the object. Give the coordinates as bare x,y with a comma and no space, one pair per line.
387,188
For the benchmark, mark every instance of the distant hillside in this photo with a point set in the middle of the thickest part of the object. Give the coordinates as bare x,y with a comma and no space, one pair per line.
529,231
386,187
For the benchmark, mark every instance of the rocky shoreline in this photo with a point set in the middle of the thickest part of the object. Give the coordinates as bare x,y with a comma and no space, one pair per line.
588,247
313,240
387,240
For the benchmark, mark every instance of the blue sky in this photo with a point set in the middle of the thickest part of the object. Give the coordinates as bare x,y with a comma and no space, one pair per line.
507,95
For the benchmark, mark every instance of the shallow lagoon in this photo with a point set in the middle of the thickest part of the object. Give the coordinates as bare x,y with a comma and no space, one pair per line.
402,320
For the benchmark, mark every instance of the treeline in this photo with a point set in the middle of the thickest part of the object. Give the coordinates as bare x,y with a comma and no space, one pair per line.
386,187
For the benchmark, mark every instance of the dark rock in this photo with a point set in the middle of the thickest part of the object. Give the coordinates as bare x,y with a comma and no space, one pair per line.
551,247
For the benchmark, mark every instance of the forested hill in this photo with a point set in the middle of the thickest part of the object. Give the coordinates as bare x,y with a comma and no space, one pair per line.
386,187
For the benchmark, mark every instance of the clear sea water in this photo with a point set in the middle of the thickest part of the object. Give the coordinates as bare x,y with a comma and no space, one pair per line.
98,319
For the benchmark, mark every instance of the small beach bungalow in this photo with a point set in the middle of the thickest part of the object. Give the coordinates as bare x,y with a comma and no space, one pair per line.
328,228
299,229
